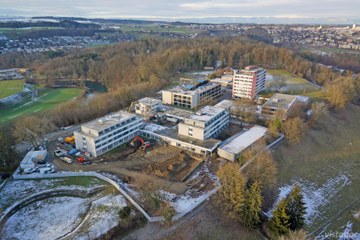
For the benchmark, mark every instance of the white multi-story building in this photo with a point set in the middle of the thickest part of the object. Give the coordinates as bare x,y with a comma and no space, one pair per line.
207,123
248,82
189,96
147,107
106,133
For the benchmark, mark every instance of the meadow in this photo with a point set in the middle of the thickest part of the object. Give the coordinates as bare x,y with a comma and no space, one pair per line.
47,99
10,87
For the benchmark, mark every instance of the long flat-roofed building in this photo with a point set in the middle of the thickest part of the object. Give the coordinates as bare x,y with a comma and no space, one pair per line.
106,133
231,148
248,82
206,123
190,96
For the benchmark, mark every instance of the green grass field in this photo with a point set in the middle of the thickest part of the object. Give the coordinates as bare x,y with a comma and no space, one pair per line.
10,87
297,85
47,99
326,163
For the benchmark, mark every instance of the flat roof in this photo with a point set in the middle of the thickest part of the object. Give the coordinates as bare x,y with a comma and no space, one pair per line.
108,120
221,80
149,101
227,104
206,113
250,70
281,101
184,89
243,140
34,155
179,113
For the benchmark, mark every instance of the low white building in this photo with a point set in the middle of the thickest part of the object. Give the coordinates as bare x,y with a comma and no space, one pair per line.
232,147
101,135
31,158
283,104
147,107
206,123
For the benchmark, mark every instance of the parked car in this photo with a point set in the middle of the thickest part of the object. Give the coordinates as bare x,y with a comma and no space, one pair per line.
29,170
59,153
42,162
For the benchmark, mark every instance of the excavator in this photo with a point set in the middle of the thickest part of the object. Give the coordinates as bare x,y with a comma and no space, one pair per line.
139,143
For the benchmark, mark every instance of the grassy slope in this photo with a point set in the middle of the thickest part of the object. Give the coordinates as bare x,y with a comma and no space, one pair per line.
10,87
298,85
47,100
324,155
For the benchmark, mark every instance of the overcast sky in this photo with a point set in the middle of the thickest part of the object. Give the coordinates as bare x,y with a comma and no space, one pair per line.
183,9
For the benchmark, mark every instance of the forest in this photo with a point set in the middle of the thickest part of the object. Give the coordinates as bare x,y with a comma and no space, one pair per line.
136,69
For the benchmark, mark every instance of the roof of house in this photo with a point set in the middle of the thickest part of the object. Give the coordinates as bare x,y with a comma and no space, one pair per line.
108,121
284,101
206,113
243,140
149,101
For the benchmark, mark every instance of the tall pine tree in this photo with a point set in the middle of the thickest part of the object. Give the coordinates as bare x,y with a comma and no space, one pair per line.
280,220
296,208
252,205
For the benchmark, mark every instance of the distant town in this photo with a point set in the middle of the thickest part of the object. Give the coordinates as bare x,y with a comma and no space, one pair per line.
102,33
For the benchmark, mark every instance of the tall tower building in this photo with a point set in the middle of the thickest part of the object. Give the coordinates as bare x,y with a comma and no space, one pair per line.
248,82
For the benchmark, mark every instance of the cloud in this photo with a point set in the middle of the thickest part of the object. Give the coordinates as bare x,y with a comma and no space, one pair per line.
180,9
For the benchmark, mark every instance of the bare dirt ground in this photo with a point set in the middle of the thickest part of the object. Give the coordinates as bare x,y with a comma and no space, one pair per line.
139,160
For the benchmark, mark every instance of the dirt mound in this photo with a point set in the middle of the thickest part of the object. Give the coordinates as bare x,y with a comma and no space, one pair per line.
174,168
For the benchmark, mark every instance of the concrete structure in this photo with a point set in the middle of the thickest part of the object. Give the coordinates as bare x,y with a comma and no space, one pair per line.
106,133
224,81
283,104
190,96
232,147
207,123
248,82
171,136
147,107
31,158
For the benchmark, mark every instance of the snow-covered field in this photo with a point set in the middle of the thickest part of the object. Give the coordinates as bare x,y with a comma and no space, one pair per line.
14,191
315,196
47,219
68,217
102,217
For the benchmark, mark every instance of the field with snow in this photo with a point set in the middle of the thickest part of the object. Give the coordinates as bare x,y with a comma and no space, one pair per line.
14,191
326,165
65,217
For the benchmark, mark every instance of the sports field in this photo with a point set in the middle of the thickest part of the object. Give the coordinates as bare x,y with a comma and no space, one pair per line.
10,87
296,85
47,99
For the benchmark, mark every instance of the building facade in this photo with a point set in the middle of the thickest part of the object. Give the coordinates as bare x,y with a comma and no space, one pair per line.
147,107
247,83
207,123
100,136
188,97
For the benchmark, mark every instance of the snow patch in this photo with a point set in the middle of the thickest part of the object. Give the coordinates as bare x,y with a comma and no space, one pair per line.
47,219
103,216
348,234
314,196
